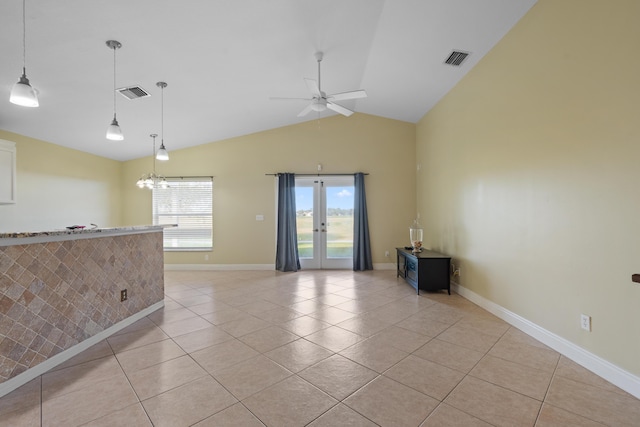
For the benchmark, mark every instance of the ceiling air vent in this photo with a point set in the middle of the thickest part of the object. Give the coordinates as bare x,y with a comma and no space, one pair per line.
133,92
456,58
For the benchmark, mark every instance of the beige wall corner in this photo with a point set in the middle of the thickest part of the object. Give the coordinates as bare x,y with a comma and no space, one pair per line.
531,176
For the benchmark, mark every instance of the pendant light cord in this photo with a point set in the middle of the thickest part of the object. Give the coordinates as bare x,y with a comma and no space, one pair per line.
114,82
319,90
24,38
154,156
161,118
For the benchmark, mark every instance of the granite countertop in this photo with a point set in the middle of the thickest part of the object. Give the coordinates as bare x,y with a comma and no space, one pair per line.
85,231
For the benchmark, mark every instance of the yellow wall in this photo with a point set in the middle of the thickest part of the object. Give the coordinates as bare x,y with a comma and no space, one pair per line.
58,186
529,174
383,148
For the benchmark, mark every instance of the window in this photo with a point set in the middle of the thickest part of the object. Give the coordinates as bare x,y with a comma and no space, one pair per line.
187,202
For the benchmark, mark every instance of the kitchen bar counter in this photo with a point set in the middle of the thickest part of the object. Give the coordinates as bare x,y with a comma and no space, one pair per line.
21,238
62,291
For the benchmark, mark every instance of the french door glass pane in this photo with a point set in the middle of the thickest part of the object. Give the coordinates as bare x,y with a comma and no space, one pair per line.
339,217
304,221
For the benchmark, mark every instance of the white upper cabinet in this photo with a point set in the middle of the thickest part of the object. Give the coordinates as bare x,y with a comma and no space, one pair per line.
7,172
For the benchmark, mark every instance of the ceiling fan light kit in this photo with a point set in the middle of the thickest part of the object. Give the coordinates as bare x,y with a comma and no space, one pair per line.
320,101
319,104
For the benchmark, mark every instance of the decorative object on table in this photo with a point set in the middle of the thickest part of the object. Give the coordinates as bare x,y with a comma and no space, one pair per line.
415,234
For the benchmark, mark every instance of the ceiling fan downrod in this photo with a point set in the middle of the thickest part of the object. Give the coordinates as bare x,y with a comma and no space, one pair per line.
318,56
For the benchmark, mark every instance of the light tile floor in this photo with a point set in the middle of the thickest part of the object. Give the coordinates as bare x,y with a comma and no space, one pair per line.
318,348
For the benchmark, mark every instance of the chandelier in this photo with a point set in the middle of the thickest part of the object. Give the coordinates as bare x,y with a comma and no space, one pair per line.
152,180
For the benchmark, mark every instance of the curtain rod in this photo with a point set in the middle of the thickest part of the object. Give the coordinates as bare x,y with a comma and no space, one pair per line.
315,174
183,177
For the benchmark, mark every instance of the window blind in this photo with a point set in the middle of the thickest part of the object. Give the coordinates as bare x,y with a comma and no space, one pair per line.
187,202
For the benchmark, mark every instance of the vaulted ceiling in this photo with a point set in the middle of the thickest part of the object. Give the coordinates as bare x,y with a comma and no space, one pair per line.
223,61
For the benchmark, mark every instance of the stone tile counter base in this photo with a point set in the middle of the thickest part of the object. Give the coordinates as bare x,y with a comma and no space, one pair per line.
54,295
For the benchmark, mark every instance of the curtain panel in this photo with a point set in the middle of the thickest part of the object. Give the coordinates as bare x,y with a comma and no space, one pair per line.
361,243
287,234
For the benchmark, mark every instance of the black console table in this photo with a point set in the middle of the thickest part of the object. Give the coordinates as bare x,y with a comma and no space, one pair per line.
426,270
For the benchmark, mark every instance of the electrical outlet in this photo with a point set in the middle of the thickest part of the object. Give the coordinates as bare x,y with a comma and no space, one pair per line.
455,270
123,295
585,322
206,257
386,254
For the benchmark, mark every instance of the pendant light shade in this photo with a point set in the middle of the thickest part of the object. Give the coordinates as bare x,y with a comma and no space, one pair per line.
22,93
162,154
114,132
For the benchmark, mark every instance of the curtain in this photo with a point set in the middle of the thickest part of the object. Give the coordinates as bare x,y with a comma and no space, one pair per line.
287,235
361,243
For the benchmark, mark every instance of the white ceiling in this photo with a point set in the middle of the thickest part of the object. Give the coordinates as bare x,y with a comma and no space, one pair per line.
223,60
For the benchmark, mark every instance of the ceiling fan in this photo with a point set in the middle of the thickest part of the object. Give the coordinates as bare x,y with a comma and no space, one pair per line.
321,101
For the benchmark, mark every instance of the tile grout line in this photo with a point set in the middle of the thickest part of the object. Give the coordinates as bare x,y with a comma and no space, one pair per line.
546,393
129,382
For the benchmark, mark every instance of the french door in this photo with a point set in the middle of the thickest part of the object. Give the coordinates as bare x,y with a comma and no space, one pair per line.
324,219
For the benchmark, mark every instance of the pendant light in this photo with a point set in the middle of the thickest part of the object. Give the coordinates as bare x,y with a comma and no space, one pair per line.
152,180
22,93
114,132
162,154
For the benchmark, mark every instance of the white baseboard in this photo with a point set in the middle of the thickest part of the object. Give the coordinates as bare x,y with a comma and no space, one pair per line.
607,370
218,267
222,267
23,378
385,266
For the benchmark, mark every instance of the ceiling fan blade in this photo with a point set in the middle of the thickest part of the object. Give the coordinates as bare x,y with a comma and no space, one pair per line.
339,109
354,94
313,87
305,111
278,98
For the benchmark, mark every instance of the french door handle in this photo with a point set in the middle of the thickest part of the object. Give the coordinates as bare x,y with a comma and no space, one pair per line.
315,229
